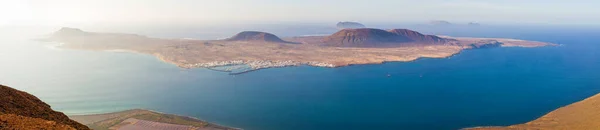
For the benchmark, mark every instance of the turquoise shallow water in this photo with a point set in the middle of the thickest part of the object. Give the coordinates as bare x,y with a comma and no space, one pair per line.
498,86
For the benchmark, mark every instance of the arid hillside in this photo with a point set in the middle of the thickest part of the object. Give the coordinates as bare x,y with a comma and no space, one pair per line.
20,110
421,38
582,115
364,37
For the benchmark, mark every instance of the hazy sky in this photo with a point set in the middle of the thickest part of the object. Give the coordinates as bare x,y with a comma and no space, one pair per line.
299,11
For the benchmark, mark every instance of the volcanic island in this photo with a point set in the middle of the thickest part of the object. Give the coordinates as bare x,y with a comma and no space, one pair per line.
253,50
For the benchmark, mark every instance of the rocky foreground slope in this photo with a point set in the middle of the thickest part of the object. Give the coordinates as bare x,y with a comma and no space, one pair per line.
22,111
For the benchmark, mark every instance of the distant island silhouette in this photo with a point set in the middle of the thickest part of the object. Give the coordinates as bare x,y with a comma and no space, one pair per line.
440,23
349,25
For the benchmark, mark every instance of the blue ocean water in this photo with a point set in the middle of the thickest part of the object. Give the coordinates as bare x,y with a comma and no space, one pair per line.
497,86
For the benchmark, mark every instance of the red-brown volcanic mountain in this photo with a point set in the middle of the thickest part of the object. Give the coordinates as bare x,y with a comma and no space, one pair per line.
20,110
256,36
418,37
369,37
364,37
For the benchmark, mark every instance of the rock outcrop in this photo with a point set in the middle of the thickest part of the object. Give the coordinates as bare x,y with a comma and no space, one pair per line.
20,110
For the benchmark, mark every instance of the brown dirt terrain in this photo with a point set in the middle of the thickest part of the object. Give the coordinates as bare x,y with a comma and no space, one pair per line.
582,115
18,107
124,119
16,122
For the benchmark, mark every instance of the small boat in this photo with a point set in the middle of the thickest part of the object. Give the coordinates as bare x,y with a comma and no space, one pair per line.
389,75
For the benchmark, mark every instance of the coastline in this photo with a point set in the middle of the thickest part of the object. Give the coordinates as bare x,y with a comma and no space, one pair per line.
265,64
263,54
55,45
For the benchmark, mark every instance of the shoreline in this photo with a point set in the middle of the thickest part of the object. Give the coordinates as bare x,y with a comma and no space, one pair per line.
266,64
263,54
291,63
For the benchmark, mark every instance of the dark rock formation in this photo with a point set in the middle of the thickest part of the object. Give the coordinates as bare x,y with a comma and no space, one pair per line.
256,36
19,105
349,25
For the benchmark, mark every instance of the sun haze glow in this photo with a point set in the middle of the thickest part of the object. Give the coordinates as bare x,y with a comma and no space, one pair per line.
307,11
13,11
